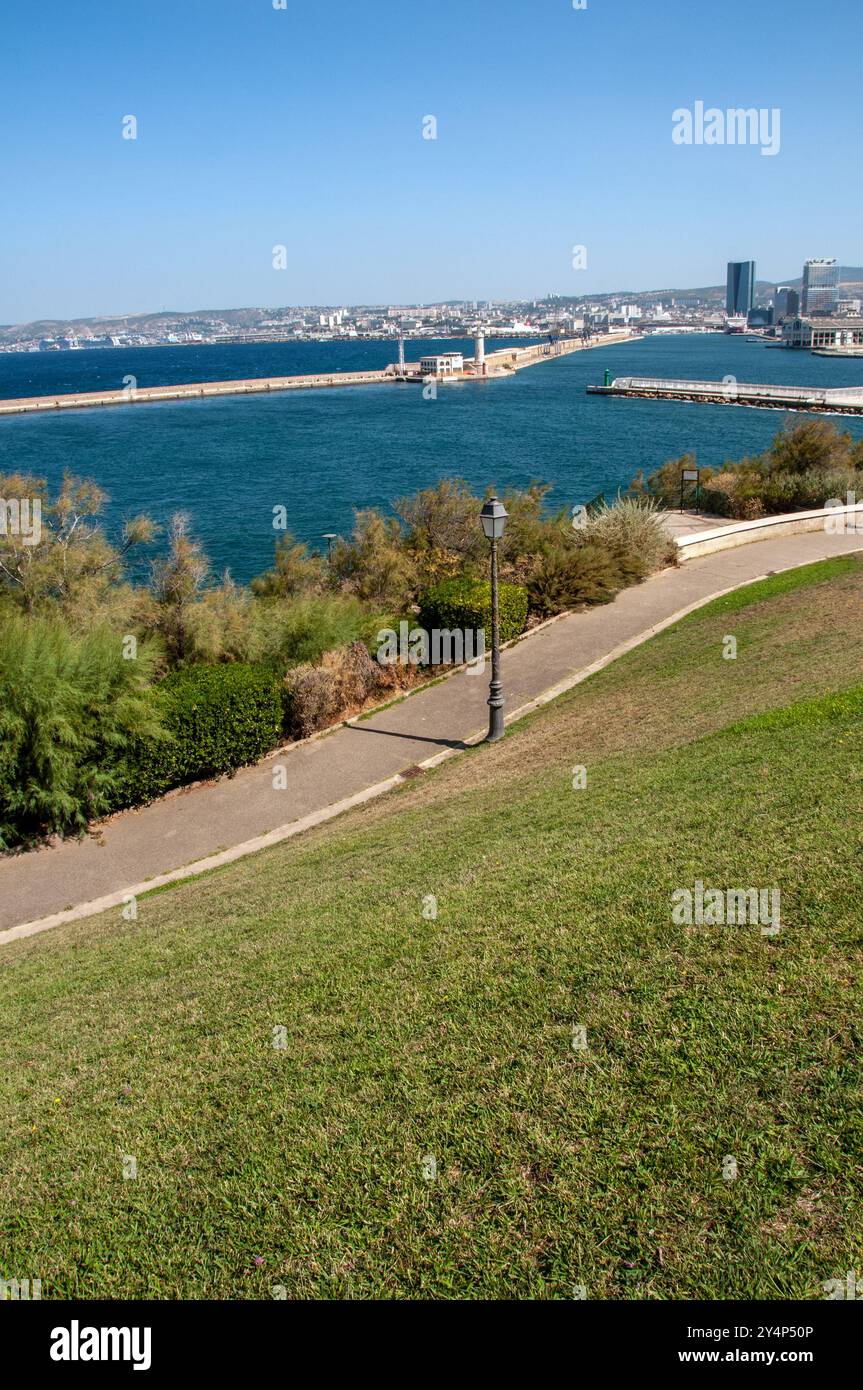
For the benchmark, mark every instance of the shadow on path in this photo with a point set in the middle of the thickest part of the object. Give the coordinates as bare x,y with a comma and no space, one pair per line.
411,738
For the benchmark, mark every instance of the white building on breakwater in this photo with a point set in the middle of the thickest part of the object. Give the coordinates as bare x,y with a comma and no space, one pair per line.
442,364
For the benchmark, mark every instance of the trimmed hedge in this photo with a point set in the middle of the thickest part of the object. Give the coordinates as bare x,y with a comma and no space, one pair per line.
216,719
466,604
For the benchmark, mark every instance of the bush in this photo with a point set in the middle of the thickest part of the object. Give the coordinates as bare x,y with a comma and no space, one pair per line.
807,463
295,571
218,625
298,633
812,489
69,709
631,529
587,573
443,534
808,445
216,719
663,485
310,700
314,696
374,563
466,604
359,676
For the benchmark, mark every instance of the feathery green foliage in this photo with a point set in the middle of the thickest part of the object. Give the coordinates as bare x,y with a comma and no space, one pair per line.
69,708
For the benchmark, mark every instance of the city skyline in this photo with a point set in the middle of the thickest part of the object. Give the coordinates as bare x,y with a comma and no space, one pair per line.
493,152
775,288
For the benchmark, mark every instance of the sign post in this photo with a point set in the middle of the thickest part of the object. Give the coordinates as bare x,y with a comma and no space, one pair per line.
689,475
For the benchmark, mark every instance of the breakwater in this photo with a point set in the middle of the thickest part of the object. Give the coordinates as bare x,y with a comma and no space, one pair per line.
80,400
498,363
843,400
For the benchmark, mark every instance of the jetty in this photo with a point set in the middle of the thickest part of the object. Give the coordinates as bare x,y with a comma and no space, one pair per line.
844,400
140,395
500,363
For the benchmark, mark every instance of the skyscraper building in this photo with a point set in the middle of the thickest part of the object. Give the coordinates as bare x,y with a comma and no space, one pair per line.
820,281
786,303
740,290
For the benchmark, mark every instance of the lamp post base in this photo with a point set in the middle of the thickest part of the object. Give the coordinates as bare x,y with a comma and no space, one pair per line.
495,716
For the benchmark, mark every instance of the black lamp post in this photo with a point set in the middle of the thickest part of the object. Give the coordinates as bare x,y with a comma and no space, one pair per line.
329,537
493,517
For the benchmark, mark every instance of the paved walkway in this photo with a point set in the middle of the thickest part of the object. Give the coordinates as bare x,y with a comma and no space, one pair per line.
206,820
685,523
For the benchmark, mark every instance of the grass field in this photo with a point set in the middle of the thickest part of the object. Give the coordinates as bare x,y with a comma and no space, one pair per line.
409,1037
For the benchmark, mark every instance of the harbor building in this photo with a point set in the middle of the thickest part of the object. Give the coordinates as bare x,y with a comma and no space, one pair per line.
820,282
442,364
740,288
823,333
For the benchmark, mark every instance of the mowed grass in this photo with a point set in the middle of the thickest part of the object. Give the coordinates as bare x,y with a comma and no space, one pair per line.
408,1036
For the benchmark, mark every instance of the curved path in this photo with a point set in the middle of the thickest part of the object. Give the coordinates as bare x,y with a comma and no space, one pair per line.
214,822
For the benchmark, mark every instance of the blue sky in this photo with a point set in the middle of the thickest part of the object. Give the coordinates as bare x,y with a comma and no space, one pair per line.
303,127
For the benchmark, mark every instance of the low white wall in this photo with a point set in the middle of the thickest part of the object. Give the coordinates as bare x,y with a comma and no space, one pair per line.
834,520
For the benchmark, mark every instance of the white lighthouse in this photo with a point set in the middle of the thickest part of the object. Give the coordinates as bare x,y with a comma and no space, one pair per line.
479,354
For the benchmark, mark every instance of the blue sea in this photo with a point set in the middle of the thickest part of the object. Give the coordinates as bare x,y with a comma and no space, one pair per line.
325,454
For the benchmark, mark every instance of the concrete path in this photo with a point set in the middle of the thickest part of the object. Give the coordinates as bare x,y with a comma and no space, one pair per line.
361,759
687,523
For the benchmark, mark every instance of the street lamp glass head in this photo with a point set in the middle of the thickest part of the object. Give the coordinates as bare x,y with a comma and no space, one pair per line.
493,517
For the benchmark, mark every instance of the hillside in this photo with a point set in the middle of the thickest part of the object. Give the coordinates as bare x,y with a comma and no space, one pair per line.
332,1086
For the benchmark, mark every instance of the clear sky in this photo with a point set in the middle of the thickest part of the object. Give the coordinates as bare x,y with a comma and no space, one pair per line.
303,127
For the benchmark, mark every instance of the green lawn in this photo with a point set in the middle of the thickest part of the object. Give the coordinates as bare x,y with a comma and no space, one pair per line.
452,1037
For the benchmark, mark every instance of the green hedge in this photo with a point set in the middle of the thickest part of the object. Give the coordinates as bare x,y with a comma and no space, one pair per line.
466,604
216,719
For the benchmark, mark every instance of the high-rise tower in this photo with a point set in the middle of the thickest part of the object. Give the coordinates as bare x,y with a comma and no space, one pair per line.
820,281
740,287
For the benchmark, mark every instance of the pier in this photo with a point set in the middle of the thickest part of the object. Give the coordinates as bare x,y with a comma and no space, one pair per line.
498,364
844,400
140,395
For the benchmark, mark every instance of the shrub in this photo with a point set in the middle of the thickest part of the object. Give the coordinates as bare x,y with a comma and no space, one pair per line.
807,463
314,696
216,718
374,563
359,676
69,565
297,633
310,699
177,580
582,574
69,709
218,625
295,571
466,604
443,533
811,444
719,497
663,485
633,530
812,489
